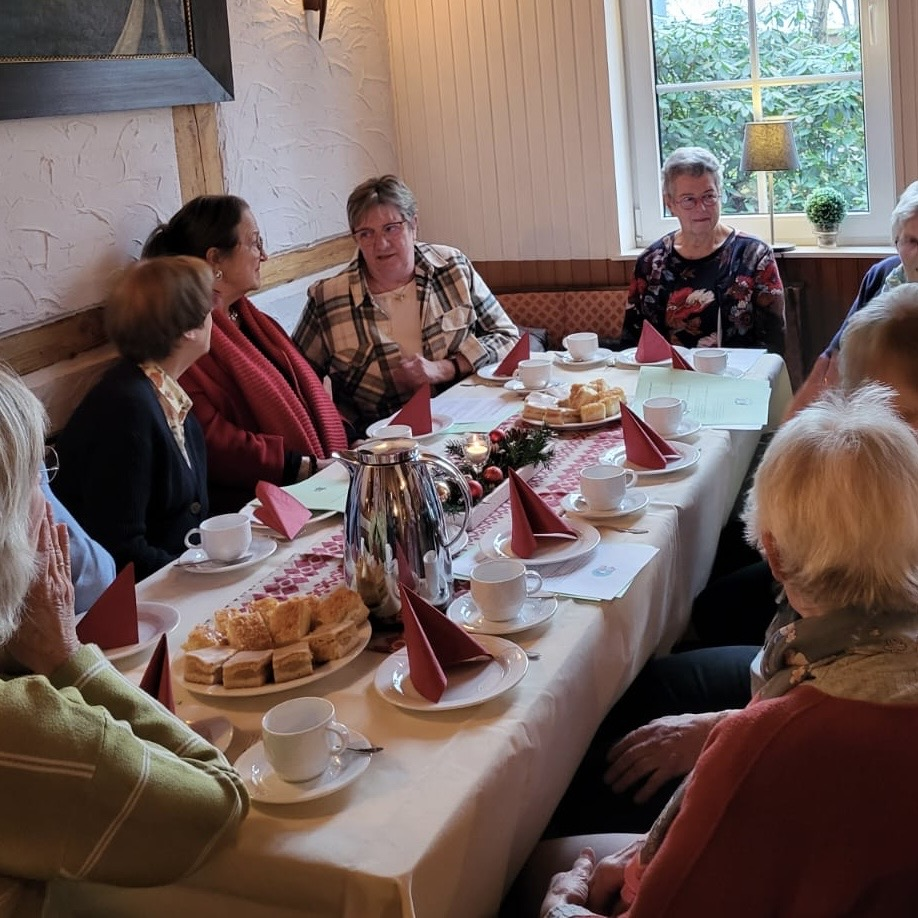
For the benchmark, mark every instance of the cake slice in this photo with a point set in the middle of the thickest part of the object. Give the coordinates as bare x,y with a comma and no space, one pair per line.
331,642
205,665
204,635
292,662
247,669
342,604
289,620
247,631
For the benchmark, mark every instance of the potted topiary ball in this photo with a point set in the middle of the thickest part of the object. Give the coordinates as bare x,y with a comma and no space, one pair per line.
826,208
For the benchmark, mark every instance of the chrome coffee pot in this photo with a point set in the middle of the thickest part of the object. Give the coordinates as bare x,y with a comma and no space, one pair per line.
394,526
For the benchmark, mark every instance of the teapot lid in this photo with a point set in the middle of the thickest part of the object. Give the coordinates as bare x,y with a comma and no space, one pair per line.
388,452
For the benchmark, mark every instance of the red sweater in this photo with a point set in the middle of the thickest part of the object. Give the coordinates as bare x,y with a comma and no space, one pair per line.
251,412
803,805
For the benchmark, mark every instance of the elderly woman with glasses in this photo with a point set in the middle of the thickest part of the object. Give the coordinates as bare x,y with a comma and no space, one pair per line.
705,285
402,315
100,783
264,411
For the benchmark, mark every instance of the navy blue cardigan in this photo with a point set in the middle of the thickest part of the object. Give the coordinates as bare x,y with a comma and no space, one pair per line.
123,476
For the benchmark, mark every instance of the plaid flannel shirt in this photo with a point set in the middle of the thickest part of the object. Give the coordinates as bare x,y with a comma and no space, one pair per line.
348,338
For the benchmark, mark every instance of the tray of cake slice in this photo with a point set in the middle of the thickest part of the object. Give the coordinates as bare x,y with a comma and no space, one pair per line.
270,645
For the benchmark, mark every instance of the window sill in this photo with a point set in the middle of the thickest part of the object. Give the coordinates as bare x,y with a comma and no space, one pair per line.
805,251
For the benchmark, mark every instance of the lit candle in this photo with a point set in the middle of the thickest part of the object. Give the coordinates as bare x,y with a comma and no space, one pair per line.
476,449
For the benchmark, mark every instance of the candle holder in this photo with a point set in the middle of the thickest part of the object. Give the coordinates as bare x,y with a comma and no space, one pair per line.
476,448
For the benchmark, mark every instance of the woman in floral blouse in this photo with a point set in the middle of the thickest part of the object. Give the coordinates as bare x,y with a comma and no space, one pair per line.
705,284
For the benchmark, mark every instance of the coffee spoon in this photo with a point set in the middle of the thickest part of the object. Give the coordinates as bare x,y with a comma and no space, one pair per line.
364,750
214,561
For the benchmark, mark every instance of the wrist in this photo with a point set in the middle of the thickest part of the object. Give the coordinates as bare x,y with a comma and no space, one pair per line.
568,910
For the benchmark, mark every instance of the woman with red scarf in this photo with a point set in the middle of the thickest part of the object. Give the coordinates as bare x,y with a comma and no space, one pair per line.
264,411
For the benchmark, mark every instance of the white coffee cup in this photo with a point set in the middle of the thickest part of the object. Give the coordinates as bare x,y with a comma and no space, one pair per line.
300,737
710,360
223,538
394,432
581,345
664,413
534,373
603,486
500,588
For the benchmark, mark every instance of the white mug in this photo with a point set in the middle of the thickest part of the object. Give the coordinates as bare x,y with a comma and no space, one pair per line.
581,345
534,373
710,360
603,486
394,432
664,413
300,736
500,588
223,538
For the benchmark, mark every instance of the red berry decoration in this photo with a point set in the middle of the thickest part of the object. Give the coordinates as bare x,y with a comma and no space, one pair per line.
497,436
475,489
493,474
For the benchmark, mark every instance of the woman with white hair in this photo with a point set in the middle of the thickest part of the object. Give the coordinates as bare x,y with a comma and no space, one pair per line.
100,783
794,804
706,284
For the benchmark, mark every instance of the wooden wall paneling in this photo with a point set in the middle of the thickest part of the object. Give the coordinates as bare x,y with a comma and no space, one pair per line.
31,350
197,148
289,266
903,32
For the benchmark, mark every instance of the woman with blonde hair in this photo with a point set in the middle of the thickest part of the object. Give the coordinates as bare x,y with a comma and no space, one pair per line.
133,467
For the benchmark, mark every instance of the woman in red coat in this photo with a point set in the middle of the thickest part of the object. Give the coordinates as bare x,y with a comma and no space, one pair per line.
264,411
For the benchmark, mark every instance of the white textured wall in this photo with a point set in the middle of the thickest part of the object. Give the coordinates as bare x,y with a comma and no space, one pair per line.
311,120
77,196
504,125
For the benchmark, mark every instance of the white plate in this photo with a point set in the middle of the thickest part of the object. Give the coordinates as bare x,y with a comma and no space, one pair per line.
634,500
154,619
497,543
271,688
468,683
627,358
579,425
600,356
439,423
688,456
259,526
218,731
460,543
516,385
535,610
260,549
490,373
264,786
686,428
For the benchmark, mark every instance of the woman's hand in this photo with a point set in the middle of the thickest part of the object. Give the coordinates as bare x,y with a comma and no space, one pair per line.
571,887
416,371
46,637
609,877
664,749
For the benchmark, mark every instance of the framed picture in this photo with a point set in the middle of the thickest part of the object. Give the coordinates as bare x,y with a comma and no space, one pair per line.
64,58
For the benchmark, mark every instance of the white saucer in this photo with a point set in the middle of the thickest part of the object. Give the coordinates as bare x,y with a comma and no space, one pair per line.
260,549
264,786
496,544
218,731
628,358
634,500
686,428
460,543
535,610
153,620
468,683
599,357
516,385
688,456
491,375
439,423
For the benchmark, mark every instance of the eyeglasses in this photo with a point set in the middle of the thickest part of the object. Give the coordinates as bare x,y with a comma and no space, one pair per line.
690,202
258,243
52,463
389,231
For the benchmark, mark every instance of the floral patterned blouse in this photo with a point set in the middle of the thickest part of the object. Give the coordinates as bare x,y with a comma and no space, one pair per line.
682,297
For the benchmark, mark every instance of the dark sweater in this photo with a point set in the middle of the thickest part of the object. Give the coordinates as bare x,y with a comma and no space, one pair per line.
123,476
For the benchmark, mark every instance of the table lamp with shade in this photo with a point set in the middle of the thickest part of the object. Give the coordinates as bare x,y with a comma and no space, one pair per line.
768,146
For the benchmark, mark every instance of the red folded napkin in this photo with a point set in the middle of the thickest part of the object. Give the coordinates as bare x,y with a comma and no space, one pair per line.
416,413
279,510
531,517
652,347
643,445
434,643
519,352
157,677
112,621
679,362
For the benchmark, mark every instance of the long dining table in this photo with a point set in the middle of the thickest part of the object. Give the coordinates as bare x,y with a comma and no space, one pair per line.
442,820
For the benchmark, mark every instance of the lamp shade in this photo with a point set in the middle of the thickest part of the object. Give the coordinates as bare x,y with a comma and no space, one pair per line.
769,146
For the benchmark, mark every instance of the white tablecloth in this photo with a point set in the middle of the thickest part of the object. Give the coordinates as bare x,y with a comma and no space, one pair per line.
443,819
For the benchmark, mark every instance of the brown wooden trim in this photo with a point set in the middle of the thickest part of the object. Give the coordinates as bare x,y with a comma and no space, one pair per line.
577,274
39,347
289,266
197,150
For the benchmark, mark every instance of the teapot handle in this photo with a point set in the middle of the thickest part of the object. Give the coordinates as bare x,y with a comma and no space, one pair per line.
459,478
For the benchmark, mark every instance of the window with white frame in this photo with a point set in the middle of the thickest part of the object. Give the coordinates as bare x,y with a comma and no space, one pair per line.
698,70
